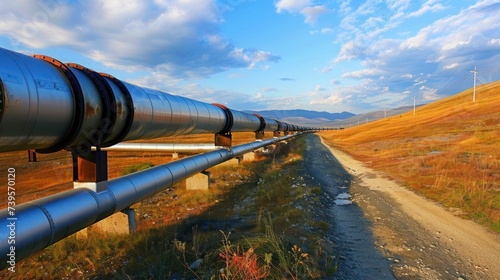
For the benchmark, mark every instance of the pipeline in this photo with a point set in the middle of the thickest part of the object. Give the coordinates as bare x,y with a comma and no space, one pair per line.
44,221
46,105
163,147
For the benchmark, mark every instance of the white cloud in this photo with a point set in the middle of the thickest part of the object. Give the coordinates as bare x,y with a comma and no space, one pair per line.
291,6
304,7
363,74
419,81
312,13
427,7
434,62
327,30
332,99
398,5
179,36
326,69
429,94
451,66
494,42
351,50
316,90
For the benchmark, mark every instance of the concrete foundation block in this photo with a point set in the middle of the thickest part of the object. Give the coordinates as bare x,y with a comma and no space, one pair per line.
97,187
118,223
249,156
114,224
200,181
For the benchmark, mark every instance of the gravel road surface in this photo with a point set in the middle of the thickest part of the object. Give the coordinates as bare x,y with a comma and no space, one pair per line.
384,231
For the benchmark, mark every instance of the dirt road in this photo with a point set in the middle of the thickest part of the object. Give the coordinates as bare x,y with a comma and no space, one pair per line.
384,231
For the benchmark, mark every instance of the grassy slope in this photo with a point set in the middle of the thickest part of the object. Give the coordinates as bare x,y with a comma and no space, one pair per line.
255,201
448,151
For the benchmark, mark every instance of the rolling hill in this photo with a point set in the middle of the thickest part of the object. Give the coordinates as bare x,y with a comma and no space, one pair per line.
302,117
368,117
325,119
447,151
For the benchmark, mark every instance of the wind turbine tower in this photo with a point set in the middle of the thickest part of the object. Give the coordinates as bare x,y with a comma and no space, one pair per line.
475,77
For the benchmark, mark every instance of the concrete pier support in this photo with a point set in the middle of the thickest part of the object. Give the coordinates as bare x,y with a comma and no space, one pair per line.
118,223
249,156
91,171
200,181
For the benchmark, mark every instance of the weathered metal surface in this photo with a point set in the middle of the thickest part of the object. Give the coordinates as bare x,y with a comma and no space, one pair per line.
43,222
160,147
47,105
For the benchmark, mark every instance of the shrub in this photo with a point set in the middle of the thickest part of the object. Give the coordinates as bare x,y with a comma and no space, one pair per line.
136,167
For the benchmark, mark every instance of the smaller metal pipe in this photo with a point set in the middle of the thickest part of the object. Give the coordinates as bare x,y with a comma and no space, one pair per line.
44,221
161,147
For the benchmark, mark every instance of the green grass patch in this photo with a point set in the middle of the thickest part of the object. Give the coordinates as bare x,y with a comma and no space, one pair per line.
136,167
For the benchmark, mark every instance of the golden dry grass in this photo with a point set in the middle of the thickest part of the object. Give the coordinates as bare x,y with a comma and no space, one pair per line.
448,151
53,172
177,227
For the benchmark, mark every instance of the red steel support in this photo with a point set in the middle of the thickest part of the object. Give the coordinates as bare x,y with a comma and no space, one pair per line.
224,140
259,135
91,168
31,156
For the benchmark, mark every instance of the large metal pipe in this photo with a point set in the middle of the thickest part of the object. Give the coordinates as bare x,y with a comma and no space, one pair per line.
42,222
36,104
271,125
160,147
48,105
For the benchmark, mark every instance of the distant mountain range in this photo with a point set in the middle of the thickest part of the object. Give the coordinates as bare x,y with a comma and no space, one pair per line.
302,115
369,117
325,119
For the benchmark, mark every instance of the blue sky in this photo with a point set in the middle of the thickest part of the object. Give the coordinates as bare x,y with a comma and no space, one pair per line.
334,56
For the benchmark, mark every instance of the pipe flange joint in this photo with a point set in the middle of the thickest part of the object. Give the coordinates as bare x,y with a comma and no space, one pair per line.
230,119
262,126
130,106
76,122
108,116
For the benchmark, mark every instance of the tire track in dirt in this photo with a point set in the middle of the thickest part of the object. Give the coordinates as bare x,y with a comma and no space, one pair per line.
416,237
350,231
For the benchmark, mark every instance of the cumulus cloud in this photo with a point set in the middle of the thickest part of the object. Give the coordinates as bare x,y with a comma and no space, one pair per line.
363,74
351,50
331,97
427,7
291,5
441,53
316,90
451,66
312,13
428,94
303,7
178,36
